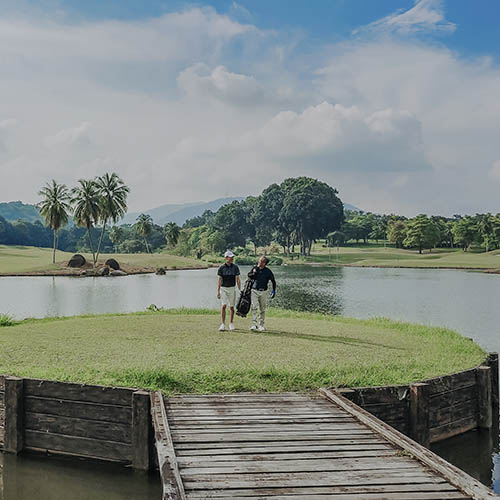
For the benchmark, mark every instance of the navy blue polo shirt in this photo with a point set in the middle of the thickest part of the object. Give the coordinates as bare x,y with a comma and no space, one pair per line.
228,274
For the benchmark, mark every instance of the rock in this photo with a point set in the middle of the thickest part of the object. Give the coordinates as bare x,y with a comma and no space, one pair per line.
113,264
115,272
77,261
161,271
83,273
104,271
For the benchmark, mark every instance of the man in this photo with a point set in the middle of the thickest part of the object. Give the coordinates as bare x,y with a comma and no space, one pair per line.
262,276
229,277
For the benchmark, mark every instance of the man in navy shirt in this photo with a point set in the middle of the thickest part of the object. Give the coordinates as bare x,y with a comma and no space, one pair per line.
262,276
229,277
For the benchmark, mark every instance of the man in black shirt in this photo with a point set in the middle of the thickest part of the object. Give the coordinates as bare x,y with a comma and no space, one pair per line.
229,277
262,276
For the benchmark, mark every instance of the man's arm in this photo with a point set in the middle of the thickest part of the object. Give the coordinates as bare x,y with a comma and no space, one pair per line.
219,283
273,281
238,281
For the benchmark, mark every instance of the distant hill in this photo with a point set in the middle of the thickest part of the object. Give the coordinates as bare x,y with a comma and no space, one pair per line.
15,210
352,208
178,213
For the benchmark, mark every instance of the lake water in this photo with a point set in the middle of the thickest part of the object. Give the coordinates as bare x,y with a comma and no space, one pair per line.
464,301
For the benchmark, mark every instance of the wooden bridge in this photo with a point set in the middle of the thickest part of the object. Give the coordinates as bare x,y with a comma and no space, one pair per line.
294,446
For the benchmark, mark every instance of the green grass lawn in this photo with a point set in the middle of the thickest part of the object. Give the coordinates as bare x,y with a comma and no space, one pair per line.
182,351
374,255
19,259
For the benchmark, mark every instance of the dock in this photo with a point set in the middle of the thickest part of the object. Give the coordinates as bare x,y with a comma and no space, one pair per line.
294,446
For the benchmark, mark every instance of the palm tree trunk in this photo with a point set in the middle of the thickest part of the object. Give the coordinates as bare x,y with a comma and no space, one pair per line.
147,248
100,242
54,251
91,246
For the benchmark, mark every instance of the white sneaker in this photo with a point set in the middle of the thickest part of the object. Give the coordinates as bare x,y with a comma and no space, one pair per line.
231,326
222,327
261,329
253,328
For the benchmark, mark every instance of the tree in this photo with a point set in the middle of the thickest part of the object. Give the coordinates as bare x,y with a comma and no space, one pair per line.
464,232
54,208
143,228
116,235
419,233
171,232
232,221
85,201
113,204
396,232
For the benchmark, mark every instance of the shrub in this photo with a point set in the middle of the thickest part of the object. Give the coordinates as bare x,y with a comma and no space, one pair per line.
276,261
6,320
244,261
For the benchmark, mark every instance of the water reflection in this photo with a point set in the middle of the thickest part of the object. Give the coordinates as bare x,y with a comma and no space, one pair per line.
29,478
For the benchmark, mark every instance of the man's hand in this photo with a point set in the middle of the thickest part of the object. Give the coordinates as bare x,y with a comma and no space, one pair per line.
218,294
273,293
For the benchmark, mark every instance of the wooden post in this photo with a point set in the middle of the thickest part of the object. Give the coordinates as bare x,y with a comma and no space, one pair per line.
141,435
419,413
495,410
483,381
14,415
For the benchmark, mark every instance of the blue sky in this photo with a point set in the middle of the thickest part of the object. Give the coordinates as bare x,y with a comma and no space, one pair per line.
394,102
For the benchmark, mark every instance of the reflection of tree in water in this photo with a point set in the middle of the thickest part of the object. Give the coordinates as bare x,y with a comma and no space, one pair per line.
310,289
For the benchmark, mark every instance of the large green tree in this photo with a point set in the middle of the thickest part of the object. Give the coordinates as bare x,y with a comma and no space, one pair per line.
113,202
171,232
86,206
54,208
420,233
143,227
464,232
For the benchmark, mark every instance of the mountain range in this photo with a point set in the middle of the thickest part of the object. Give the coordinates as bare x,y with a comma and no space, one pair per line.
178,213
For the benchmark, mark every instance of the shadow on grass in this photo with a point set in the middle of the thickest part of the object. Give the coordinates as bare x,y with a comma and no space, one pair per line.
321,338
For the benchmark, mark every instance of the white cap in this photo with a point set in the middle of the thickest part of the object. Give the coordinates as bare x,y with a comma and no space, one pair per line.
229,254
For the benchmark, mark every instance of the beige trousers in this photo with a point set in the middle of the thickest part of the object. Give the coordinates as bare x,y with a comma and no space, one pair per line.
259,304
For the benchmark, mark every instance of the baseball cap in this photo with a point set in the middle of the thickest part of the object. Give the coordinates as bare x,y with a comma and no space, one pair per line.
229,254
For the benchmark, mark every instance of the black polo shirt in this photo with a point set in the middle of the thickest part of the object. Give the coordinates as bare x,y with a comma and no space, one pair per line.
228,274
262,278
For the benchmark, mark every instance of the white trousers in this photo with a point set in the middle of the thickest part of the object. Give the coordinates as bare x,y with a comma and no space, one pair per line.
259,304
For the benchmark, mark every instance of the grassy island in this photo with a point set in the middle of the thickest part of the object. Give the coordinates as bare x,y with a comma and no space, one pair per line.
181,351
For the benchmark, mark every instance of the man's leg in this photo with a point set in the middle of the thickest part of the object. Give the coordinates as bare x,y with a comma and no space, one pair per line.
262,308
223,313
255,307
231,314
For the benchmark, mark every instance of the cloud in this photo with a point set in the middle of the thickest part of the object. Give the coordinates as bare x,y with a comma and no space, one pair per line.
197,81
494,172
425,16
73,137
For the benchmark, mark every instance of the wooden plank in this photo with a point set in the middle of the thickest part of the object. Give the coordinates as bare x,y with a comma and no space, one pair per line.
457,477
333,491
14,415
298,466
419,413
293,410
218,429
90,411
286,480
79,446
450,414
485,416
492,362
452,398
78,427
300,447
78,392
452,382
253,420
377,395
453,429
416,495
203,461
173,488
141,435
265,436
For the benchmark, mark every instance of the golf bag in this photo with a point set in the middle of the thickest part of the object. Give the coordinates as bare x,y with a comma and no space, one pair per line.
245,300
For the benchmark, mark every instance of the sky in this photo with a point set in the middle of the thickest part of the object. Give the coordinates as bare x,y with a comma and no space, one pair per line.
395,103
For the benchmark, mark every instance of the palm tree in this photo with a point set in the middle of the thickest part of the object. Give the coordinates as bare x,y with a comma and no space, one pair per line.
143,227
86,205
116,236
54,208
113,204
172,231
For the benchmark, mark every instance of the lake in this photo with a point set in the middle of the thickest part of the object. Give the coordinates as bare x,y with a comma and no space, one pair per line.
461,300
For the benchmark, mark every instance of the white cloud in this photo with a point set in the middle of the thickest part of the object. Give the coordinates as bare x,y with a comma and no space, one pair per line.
425,16
75,136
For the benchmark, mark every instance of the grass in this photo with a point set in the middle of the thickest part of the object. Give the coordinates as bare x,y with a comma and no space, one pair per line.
20,259
181,351
6,320
377,256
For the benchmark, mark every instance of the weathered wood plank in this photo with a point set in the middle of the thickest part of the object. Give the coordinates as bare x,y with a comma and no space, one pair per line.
416,495
455,476
419,413
452,398
435,488
141,430
292,410
173,488
485,416
90,411
492,362
452,382
254,420
442,416
218,429
79,446
453,429
78,392
78,427
14,415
